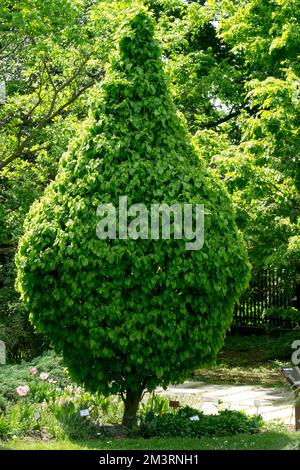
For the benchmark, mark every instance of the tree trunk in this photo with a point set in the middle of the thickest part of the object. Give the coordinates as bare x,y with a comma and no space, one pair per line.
131,405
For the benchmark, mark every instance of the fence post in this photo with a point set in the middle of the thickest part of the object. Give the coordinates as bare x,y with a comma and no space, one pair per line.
297,417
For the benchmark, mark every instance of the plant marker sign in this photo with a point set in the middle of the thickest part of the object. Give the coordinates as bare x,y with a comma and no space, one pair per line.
84,412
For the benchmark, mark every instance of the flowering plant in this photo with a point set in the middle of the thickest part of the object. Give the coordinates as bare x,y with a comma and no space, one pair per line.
22,390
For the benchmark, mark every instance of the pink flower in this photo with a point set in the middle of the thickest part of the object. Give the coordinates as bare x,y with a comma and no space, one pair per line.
33,371
22,390
44,376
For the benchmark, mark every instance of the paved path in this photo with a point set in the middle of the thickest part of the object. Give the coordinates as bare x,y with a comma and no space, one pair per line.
271,403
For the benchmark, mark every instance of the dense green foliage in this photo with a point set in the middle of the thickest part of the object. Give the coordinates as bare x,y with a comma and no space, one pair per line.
13,376
188,422
291,315
131,314
58,401
263,170
48,62
21,340
233,69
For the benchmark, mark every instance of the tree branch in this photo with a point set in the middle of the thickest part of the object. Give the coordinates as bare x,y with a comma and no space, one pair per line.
46,120
209,125
7,249
232,114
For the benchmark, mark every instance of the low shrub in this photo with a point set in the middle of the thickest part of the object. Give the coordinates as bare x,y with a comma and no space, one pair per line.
187,422
72,424
13,376
290,315
59,417
38,398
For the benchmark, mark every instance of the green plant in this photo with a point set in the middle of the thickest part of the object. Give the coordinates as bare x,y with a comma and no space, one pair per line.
188,412
21,340
110,409
4,427
129,314
51,407
188,422
276,424
60,416
291,314
157,404
12,376
73,425
21,417
42,391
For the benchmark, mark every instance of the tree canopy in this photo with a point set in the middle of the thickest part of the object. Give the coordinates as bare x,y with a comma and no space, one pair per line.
233,71
131,314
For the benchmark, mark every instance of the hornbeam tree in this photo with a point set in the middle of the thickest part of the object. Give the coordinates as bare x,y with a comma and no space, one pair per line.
131,314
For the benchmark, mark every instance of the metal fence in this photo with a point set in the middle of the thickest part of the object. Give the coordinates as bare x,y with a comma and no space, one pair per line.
268,289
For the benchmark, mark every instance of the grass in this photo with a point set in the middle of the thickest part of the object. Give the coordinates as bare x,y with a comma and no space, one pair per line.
257,350
272,440
247,360
265,375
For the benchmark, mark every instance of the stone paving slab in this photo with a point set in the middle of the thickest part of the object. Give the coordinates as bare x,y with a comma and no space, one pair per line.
273,403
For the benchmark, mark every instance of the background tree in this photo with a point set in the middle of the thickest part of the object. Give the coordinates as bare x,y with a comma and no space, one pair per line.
51,56
266,36
233,71
129,315
255,148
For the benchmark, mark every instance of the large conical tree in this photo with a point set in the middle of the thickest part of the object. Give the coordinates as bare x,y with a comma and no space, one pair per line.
128,314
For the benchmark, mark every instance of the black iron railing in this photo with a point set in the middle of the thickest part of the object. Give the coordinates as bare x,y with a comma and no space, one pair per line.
269,289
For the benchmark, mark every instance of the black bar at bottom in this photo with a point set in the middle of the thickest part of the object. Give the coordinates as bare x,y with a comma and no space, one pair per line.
137,459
